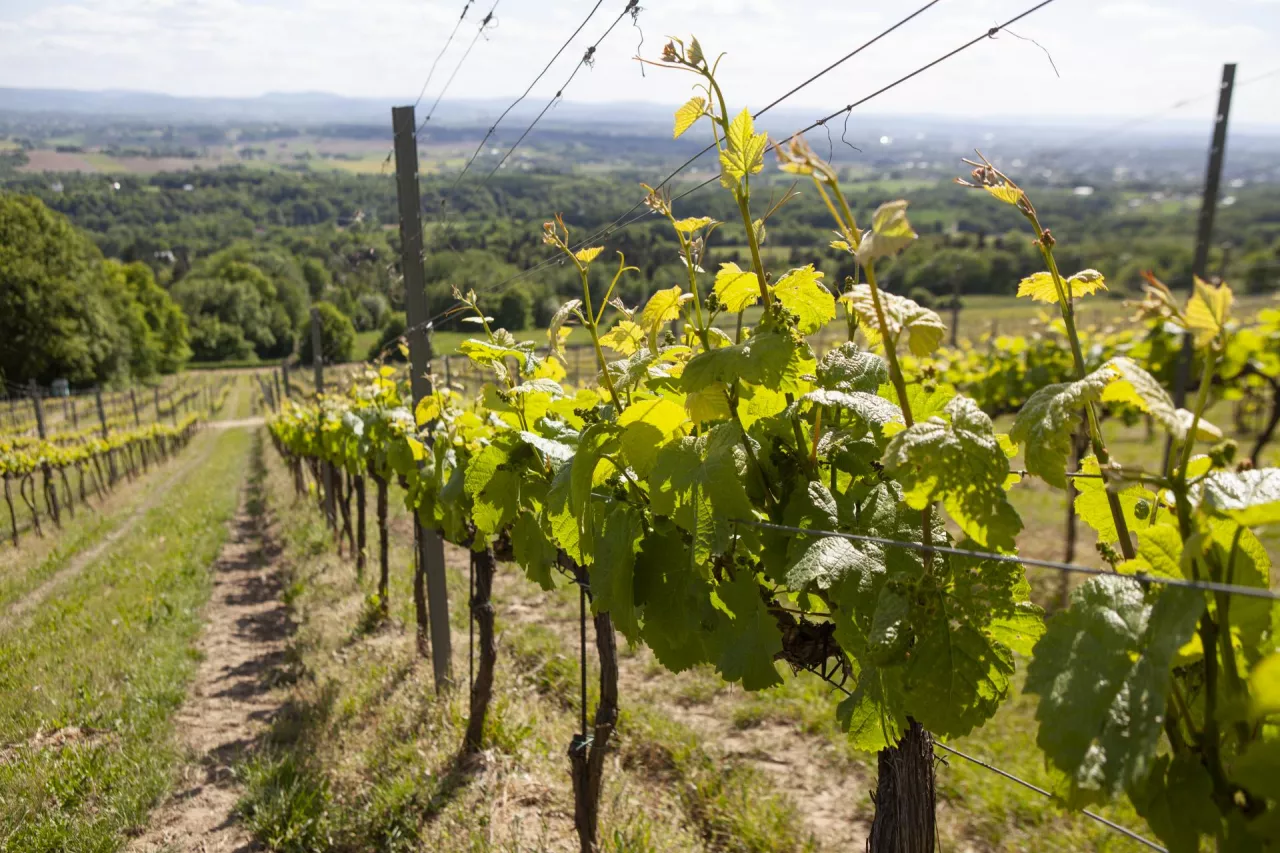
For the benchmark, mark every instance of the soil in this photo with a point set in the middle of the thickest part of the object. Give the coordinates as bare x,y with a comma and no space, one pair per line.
830,793
233,698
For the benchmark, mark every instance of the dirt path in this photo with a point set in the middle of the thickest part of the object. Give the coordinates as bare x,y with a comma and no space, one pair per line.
155,496
233,697
248,423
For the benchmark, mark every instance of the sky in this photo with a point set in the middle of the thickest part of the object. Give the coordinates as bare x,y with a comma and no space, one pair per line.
1114,58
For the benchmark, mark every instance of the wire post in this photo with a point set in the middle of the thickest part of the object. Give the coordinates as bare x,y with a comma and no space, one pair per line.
431,547
317,361
1204,230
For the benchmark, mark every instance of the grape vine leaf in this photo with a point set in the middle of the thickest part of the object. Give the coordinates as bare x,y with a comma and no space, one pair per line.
1094,508
699,484
646,426
957,676
1176,798
1250,498
848,368
890,232
872,409
662,308
816,560
923,328
749,639
533,550
625,338
613,569
586,256
596,442
1135,386
800,291
743,153
1044,424
736,289
690,224
689,113
1208,311
1040,287
1264,687
494,490
1004,192
1102,674
958,460
675,602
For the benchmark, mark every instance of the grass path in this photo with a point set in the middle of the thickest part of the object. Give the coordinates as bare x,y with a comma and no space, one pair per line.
90,684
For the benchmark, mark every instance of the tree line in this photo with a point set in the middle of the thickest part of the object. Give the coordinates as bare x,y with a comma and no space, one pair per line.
222,265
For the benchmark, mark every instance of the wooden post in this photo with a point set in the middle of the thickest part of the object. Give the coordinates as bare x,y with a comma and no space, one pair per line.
155,393
431,546
1204,231
39,407
955,307
137,416
106,432
284,373
317,362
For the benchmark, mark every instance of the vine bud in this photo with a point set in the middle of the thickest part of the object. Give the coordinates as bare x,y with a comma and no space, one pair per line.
1223,454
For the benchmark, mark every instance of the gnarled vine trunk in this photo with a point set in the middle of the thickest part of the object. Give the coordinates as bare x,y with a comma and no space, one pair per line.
384,571
483,565
905,797
361,532
587,751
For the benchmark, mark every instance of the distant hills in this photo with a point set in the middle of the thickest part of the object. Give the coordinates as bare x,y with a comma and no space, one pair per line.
634,118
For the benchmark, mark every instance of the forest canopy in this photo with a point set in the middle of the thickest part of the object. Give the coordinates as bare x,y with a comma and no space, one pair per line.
66,313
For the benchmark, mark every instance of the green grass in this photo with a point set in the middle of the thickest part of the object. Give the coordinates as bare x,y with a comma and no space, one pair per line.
111,654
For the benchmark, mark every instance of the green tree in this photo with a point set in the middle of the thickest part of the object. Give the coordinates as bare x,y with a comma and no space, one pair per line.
337,336
240,296
58,316
391,331
157,327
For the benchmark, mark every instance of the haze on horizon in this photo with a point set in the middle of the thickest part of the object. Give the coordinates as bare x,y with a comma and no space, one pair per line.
1115,57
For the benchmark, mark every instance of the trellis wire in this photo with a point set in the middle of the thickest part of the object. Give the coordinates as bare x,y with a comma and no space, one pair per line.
525,94
1156,580
587,58
618,224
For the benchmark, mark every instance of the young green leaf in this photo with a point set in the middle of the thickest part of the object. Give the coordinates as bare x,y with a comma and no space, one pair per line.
743,153
890,233
924,328
736,289
749,639
957,460
801,292
625,338
1250,498
689,113
1040,287
1102,674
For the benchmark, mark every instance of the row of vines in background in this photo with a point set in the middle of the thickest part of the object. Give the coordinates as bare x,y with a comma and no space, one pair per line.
35,468
725,497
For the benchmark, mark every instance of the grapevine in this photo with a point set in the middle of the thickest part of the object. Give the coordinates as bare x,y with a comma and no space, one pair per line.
664,489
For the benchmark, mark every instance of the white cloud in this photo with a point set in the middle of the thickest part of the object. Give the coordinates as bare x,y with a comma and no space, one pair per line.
1114,57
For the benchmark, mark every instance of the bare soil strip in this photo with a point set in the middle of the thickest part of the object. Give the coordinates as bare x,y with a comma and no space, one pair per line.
233,698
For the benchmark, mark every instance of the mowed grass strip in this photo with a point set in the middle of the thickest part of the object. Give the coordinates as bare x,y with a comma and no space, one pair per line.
88,686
